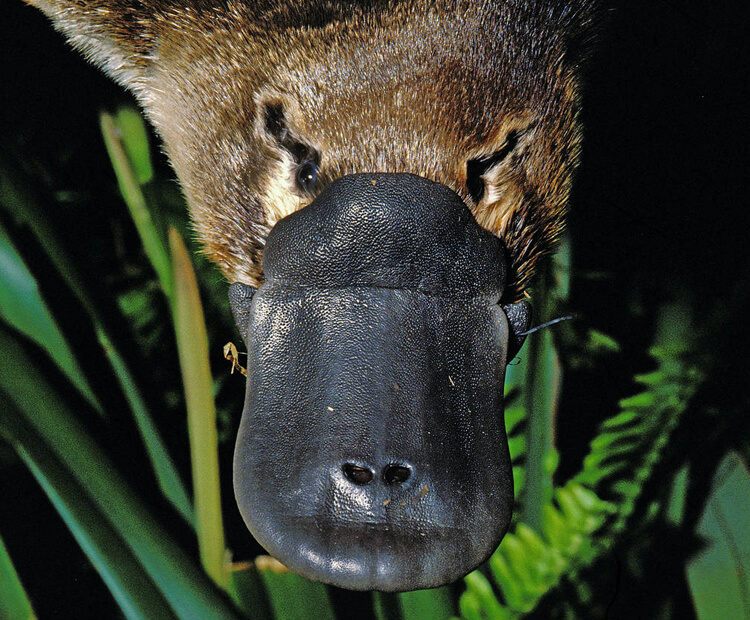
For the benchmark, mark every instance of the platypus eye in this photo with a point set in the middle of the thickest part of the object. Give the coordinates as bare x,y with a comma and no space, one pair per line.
478,167
307,176
305,157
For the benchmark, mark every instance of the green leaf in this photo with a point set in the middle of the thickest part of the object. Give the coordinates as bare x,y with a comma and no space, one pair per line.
293,597
517,446
14,602
622,457
678,497
470,607
719,576
513,417
477,584
126,579
153,242
541,392
247,590
192,347
386,606
22,306
505,577
434,604
20,200
188,590
134,138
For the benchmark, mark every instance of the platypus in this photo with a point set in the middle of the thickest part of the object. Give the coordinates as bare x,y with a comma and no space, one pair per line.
377,181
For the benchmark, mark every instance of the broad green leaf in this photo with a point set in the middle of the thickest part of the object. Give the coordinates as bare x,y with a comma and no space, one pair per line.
22,306
434,604
247,590
513,417
190,593
293,597
192,348
14,602
126,579
719,575
517,446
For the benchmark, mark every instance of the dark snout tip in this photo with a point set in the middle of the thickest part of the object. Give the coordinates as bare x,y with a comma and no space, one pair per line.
374,557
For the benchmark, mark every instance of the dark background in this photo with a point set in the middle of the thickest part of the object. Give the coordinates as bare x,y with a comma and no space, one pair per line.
660,211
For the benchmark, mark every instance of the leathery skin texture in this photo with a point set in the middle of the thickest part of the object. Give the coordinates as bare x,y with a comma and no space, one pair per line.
372,452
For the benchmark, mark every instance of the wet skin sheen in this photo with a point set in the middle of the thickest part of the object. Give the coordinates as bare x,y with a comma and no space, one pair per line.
372,452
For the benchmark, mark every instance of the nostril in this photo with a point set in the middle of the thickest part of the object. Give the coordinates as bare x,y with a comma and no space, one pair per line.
357,474
396,474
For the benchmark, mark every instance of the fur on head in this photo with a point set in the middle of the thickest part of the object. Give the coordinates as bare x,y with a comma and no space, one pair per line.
261,103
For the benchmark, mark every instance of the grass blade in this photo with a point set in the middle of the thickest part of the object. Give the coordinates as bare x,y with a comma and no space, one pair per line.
247,590
20,200
22,306
130,188
125,578
541,392
134,139
14,602
187,589
192,347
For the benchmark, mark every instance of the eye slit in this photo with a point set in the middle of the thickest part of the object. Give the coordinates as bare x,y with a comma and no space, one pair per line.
307,176
275,122
477,168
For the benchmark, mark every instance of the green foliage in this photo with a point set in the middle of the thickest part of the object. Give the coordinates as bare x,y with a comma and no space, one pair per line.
719,576
14,602
561,531
579,525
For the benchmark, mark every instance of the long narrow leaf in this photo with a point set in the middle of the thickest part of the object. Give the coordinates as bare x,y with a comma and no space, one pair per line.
192,347
14,602
541,392
126,579
22,306
187,589
133,136
130,188
17,197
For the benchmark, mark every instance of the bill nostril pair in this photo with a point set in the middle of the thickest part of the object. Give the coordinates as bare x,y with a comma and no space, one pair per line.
393,473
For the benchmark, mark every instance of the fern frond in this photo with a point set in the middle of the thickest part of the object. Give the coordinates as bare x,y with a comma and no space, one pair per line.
586,515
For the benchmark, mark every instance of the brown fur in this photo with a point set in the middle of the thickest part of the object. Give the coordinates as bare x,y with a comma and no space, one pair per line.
379,86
